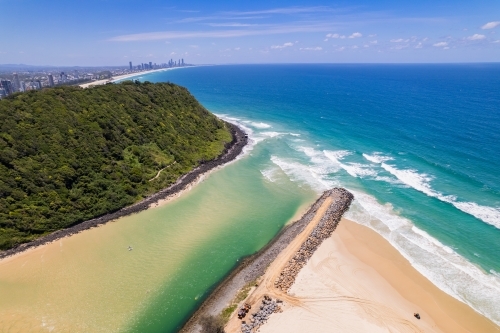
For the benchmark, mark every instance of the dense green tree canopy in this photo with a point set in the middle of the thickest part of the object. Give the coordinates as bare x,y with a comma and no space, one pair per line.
69,154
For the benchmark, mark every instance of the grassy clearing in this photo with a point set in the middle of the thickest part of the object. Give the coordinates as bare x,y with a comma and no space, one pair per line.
240,296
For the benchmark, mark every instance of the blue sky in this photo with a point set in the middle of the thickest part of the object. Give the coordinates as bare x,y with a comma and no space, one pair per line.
113,32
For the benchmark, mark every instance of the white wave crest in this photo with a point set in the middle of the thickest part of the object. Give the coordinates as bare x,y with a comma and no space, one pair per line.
489,215
356,170
271,174
271,134
259,125
421,182
377,158
439,263
304,174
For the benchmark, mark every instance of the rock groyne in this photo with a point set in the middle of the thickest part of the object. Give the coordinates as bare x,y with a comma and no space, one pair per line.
259,318
230,152
255,266
327,225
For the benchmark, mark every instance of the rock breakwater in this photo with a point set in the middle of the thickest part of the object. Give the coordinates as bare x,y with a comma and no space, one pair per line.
327,225
267,308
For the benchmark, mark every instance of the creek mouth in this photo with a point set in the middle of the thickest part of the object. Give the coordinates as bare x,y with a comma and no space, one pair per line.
254,266
232,150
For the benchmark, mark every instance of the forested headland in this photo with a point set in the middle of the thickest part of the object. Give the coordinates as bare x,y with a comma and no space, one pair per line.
69,154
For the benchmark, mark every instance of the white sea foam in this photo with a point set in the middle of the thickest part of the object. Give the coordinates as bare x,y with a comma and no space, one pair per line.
356,170
435,260
259,125
421,182
438,262
271,174
304,174
271,134
377,158
252,139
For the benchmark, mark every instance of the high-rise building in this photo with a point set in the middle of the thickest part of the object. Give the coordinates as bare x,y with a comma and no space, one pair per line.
38,84
150,65
51,80
23,86
7,86
2,93
63,77
130,65
182,62
16,85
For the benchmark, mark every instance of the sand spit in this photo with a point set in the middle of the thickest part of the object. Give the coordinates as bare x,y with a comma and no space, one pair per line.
357,282
231,152
350,280
253,267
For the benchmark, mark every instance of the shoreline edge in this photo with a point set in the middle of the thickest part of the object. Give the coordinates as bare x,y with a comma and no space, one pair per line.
231,151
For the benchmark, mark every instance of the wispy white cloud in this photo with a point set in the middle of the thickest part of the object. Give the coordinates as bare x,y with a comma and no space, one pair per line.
285,10
356,35
374,42
419,45
476,37
318,48
373,35
491,25
215,18
159,35
282,46
440,44
235,25
399,40
335,36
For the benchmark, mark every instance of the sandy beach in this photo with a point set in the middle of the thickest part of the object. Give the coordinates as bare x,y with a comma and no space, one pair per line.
121,77
357,282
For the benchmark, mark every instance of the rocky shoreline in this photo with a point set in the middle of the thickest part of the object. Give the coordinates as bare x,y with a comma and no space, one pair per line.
255,266
232,150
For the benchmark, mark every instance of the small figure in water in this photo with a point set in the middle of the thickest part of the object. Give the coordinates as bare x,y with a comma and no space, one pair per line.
416,315
130,248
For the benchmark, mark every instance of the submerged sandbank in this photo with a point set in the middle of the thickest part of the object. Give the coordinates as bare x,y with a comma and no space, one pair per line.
357,282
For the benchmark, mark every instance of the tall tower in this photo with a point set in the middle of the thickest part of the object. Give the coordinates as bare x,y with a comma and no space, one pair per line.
7,87
16,85
130,64
51,80
150,65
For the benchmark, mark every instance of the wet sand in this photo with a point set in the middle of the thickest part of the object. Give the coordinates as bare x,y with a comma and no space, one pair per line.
357,282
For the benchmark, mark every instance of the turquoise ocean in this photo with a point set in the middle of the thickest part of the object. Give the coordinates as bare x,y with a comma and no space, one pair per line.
418,146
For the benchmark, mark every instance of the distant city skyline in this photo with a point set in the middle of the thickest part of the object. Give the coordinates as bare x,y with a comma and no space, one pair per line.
112,33
33,79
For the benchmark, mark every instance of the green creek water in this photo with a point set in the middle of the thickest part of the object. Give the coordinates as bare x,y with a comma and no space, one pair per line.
90,282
